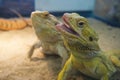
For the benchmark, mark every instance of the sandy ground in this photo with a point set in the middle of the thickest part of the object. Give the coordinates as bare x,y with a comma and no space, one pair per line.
14,46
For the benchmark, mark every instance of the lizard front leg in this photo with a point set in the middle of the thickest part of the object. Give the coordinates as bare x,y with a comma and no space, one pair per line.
65,71
114,56
36,45
105,77
63,53
115,60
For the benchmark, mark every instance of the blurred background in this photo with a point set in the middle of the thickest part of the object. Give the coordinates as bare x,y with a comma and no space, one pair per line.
17,35
104,10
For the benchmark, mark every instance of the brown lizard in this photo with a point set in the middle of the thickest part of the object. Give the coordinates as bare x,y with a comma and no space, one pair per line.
13,24
50,39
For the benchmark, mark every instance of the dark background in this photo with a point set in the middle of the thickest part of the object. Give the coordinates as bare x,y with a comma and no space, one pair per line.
24,7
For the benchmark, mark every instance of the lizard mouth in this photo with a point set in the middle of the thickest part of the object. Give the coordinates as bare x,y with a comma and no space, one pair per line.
65,27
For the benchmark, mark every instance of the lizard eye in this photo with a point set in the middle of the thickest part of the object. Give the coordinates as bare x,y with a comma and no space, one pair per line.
81,24
90,38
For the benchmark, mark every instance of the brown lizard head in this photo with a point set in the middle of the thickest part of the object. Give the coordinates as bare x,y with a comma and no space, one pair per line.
44,25
43,17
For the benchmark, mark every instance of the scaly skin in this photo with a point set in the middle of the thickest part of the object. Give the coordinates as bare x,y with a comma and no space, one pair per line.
50,39
114,56
14,24
86,56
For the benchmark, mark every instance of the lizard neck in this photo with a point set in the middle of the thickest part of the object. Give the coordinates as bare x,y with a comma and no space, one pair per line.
79,59
85,55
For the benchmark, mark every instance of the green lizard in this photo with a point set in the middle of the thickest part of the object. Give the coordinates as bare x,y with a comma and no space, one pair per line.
50,39
86,56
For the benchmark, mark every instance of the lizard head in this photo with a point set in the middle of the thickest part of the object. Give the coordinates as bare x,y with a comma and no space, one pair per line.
78,35
44,25
43,18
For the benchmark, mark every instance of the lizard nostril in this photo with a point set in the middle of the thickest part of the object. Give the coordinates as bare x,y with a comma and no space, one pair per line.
90,38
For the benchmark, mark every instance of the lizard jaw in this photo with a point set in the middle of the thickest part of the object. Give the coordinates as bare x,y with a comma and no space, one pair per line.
62,27
65,27
92,54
